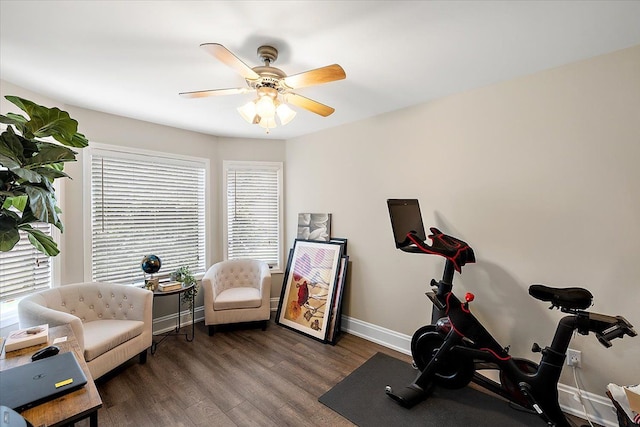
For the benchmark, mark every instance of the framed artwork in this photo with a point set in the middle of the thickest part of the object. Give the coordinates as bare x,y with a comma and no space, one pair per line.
314,226
336,307
342,241
309,286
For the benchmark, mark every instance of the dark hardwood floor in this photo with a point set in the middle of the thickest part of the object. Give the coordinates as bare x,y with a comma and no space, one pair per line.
238,377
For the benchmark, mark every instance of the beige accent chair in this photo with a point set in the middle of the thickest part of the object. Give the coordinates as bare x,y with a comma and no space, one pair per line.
237,291
112,323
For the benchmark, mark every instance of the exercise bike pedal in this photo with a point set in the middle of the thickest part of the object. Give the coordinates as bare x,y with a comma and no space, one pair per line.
407,396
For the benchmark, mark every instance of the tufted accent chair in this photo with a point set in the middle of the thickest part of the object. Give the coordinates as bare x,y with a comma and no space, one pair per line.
112,323
236,291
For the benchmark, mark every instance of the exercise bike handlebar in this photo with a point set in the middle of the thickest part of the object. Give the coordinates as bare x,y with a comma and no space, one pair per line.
454,250
605,327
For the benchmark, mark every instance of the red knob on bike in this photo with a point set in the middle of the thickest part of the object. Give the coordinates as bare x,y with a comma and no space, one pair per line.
469,297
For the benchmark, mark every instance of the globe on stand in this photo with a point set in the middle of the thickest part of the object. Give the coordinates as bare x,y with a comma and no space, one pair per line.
151,264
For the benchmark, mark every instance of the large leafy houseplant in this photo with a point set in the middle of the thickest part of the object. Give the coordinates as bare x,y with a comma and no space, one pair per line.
28,167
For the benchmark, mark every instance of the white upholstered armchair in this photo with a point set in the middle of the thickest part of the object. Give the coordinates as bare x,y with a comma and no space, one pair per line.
112,323
236,291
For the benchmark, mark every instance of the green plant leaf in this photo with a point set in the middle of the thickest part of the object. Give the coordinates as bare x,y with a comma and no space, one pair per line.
29,147
52,122
51,153
14,119
11,149
27,216
41,241
59,224
42,204
28,175
77,140
8,162
9,235
18,202
51,172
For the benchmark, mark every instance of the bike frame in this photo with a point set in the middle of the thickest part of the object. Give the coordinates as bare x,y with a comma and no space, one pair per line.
467,337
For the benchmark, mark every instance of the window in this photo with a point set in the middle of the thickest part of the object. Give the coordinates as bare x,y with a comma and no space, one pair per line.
144,203
253,211
24,269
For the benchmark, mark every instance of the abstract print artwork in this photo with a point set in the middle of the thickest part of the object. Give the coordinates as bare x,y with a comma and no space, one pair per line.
314,226
308,288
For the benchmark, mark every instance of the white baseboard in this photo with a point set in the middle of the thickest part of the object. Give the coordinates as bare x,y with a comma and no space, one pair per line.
599,408
377,334
167,323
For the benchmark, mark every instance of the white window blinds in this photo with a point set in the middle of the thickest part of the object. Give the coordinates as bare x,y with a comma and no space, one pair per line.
142,205
253,211
24,269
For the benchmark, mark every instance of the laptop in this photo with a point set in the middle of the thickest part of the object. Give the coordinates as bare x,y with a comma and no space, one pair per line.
405,217
36,382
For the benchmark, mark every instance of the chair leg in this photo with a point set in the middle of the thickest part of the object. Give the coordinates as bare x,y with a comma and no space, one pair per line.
210,330
143,357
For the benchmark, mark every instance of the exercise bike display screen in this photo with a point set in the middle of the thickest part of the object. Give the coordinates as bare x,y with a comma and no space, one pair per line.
405,217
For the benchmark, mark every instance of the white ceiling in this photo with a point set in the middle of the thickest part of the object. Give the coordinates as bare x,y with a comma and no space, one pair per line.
132,58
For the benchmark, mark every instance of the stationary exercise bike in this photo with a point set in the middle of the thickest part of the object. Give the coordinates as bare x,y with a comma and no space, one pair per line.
449,352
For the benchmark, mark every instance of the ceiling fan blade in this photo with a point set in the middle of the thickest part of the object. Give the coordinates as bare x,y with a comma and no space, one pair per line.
309,104
318,76
225,55
214,92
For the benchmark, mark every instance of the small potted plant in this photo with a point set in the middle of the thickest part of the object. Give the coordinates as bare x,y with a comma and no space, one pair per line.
184,276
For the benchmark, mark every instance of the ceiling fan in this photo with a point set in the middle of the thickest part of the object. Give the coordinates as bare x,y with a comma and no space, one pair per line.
274,88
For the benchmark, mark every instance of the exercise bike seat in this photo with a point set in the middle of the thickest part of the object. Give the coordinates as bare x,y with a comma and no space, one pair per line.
563,298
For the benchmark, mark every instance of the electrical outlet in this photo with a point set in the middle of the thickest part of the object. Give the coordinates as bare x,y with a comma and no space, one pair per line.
574,358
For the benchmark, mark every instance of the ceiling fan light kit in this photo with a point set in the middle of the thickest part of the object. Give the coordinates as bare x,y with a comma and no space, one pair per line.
263,110
273,87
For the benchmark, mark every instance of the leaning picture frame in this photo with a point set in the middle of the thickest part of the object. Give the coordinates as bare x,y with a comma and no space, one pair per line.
342,241
309,286
336,307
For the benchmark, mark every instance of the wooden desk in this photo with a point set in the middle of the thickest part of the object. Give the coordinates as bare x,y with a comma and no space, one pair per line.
71,407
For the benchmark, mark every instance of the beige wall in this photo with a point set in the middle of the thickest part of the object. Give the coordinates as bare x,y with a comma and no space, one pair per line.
539,175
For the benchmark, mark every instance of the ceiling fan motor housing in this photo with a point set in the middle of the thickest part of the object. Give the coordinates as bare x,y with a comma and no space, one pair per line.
269,76
267,54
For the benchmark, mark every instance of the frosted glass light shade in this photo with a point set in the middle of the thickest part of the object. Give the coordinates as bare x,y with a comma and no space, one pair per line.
285,114
265,108
248,112
268,123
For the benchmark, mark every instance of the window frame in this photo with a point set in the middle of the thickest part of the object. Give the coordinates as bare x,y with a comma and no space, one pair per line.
246,164
124,151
